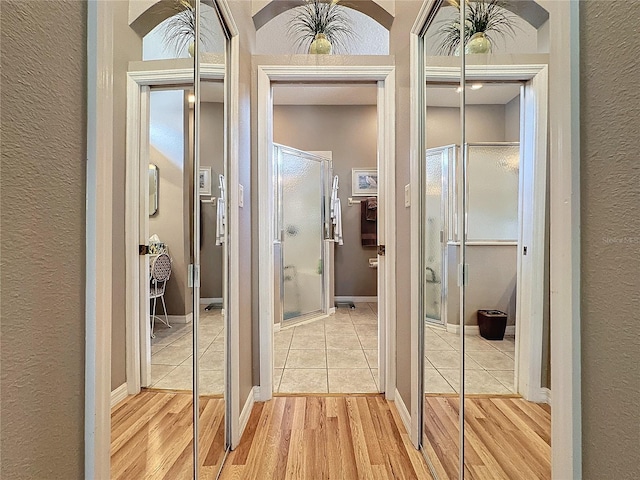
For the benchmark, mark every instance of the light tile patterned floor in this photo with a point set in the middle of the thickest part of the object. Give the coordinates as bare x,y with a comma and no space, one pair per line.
338,354
171,359
489,364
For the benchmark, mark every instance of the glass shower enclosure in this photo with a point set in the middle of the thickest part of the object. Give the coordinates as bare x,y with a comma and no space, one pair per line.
302,201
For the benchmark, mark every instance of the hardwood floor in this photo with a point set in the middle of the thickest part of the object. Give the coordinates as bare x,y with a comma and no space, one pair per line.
505,438
330,437
152,432
325,437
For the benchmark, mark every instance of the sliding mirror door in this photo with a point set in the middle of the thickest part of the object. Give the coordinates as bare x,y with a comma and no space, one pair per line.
210,202
505,295
439,304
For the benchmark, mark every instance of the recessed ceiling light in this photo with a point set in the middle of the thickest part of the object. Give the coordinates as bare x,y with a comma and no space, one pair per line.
191,98
476,86
458,89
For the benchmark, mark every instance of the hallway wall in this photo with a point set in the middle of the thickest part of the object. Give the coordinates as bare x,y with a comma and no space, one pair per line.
610,257
350,132
43,173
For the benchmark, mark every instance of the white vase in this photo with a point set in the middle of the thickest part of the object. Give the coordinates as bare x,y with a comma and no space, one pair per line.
320,45
478,43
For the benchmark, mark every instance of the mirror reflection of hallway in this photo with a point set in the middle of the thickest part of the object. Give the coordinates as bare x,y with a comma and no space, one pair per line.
337,353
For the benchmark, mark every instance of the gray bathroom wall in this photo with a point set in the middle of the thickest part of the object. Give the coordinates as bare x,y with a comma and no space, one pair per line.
211,155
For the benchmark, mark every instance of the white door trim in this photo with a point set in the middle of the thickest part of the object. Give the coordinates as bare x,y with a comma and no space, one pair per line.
566,426
136,229
98,250
385,76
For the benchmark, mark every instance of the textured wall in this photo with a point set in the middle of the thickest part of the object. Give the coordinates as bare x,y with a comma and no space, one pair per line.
610,197
43,224
350,133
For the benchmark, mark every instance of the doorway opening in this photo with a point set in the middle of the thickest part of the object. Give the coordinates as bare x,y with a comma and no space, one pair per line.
325,250
325,156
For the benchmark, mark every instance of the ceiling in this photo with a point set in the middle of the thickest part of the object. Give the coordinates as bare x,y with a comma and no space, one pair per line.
323,94
366,94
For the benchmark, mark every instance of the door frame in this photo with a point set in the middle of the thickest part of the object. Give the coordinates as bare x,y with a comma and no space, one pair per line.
139,84
385,78
564,174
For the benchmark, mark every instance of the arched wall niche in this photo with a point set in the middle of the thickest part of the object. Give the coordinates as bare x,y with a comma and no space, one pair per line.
370,8
370,37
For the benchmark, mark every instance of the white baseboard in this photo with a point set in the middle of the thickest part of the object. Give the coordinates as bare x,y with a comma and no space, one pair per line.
545,395
208,300
403,411
179,318
356,299
119,394
475,330
258,394
246,411
332,310
276,327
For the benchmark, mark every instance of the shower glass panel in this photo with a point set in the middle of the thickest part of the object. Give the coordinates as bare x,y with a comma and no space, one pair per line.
436,233
493,192
302,217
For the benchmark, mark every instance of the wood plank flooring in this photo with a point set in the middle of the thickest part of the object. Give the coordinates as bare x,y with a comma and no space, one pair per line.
330,437
325,437
505,438
152,436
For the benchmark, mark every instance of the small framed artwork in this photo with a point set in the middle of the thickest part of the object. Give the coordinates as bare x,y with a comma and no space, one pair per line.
364,182
204,181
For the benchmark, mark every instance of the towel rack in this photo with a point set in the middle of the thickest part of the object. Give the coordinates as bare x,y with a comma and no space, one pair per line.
210,201
353,202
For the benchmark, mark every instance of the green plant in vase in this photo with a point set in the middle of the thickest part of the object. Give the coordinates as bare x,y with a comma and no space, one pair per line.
484,21
180,28
318,26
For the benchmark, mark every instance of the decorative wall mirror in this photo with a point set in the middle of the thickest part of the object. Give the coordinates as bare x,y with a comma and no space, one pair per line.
154,180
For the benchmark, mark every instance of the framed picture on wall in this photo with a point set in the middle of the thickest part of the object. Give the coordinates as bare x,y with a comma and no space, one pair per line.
364,182
204,181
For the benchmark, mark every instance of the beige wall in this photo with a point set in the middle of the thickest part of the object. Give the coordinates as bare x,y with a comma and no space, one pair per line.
406,13
126,46
43,132
610,246
485,123
241,11
350,132
211,155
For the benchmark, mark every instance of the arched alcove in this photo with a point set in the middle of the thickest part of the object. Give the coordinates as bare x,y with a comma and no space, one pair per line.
530,24
370,37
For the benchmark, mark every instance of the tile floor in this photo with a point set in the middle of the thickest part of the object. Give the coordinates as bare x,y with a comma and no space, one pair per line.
338,354
489,364
171,357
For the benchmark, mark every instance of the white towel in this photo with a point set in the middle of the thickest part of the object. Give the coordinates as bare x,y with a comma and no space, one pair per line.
220,222
337,222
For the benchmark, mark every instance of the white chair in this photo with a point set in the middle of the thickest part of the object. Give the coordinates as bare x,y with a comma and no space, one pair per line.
160,274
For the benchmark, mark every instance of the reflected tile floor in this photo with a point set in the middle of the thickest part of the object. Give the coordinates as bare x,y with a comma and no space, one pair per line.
338,354
171,359
489,364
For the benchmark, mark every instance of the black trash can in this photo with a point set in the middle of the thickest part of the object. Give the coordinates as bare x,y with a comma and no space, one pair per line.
492,324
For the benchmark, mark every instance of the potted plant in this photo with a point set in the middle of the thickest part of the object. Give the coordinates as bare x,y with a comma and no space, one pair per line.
180,27
485,19
318,26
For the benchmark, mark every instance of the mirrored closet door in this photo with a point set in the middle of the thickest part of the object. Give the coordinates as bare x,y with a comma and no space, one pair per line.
485,291
211,253
174,423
